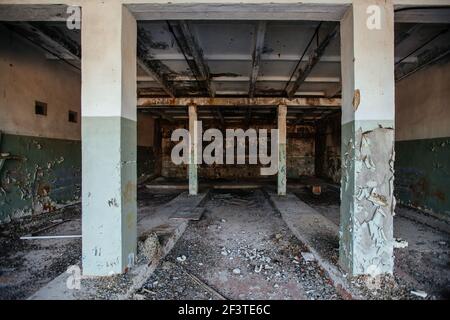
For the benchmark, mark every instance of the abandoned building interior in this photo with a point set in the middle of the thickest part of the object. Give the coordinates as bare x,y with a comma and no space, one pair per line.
359,206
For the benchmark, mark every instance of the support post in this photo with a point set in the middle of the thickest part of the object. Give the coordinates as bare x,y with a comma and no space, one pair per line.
193,150
282,111
108,139
367,201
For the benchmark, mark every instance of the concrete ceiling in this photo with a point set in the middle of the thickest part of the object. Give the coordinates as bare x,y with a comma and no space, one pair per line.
227,50
224,58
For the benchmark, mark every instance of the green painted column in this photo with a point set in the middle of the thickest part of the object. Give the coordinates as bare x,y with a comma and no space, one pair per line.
193,150
367,201
282,112
108,139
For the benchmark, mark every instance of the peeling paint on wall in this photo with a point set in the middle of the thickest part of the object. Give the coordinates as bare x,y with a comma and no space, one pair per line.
368,203
46,177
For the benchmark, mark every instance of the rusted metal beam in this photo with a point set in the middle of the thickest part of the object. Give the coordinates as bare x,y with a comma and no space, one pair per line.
239,102
201,69
314,58
257,51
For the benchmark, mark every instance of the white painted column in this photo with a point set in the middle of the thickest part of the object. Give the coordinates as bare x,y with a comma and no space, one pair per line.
367,201
282,112
193,150
108,138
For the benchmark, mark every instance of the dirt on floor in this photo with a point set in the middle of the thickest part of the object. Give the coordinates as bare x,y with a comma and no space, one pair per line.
240,249
424,265
27,265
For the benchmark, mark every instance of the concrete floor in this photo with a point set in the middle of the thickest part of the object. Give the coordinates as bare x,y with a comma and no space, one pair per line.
241,248
425,262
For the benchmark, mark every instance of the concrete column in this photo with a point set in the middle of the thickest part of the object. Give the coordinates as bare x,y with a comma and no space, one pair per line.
108,138
193,150
367,201
282,111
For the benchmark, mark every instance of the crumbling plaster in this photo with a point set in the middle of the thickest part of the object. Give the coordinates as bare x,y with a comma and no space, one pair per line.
42,171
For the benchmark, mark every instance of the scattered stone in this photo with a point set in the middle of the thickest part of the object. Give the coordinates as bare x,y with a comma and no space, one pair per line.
419,293
150,247
237,271
316,190
308,256
181,258
400,244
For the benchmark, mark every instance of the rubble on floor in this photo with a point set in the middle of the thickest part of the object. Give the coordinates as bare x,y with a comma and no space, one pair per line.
239,249
421,257
242,253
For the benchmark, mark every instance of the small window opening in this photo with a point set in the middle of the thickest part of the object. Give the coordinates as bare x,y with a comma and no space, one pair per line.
73,116
40,108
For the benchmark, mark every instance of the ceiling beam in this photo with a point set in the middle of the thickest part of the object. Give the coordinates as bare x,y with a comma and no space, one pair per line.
201,70
238,102
151,67
330,11
245,79
407,33
47,39
257,51
430,59
423,15
333,90
314,58
148,68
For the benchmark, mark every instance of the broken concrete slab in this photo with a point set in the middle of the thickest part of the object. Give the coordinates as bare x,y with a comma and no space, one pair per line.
183,202
194,214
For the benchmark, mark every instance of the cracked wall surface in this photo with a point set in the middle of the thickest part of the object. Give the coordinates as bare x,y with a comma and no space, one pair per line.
367,200
41,175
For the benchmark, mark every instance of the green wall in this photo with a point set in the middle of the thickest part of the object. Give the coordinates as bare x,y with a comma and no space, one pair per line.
422,174
45,174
